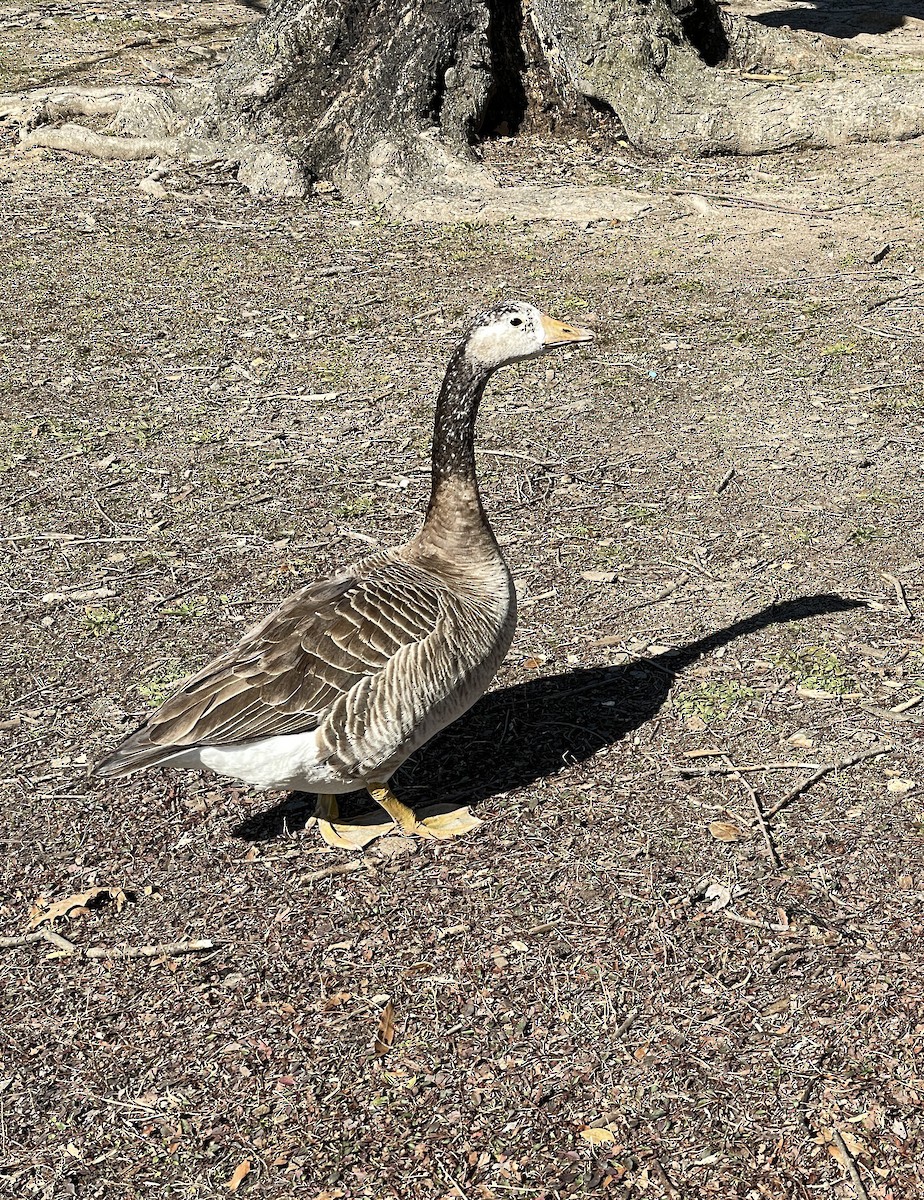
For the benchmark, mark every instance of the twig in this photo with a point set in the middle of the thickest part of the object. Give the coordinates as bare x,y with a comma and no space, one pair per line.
61,942
748,202
850,761
803,1096
666,591
725,481
148,951
546,927
663,1177
69,949
759,813
327,872
10,943
899,594
851,1166
626,1023
731,769
539,462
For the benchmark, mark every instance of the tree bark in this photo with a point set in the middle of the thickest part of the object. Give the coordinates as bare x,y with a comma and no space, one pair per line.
387,98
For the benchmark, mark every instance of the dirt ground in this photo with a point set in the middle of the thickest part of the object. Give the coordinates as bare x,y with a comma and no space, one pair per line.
619,985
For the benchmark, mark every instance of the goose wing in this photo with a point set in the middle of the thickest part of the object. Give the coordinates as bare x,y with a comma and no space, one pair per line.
284,674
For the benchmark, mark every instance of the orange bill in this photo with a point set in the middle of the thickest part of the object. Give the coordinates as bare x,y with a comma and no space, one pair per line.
556,333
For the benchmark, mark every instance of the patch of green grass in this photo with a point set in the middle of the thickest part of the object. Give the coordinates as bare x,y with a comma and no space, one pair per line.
816,668
193,606
157,687
714,699
356,506
867,533
878,495
838,349
641,514
100,622
609,556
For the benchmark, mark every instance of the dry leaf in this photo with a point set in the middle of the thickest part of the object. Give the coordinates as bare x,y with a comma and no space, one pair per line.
900,786
599,576
385,1034
720,896
597,1137
801,739
75,905
240,1174
725,831
777,1006
533,664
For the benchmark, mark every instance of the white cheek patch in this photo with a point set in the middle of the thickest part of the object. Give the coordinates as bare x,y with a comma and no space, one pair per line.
498,343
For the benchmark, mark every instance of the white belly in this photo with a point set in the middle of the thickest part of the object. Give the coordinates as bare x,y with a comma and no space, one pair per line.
289,762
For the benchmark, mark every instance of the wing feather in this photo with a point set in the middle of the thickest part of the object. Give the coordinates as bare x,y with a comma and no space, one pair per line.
286,673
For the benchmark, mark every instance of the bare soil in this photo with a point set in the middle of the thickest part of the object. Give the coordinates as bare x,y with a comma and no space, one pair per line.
716,520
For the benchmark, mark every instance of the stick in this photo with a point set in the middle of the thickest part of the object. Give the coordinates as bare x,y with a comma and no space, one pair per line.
339,869
626,1023
68,949
697,772
760,822
746,201
57,940
662,595
899,594
850,761
851,1166
725,481
9,943
663,1177
148,951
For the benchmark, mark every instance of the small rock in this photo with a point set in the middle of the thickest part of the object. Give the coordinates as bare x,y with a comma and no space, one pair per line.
387,849
154,188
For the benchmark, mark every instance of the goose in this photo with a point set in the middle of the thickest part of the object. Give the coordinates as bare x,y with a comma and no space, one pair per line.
351,674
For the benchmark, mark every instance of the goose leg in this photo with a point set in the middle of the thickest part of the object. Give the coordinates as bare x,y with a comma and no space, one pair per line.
443,822
347,837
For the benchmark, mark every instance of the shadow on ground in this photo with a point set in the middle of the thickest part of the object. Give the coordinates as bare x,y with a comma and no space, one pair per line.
837,19
519,734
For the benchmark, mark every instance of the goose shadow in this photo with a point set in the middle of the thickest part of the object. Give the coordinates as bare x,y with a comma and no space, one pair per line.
518,734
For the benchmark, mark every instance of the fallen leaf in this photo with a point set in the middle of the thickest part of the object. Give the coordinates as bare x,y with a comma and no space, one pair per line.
597,1137
725,831
720,896
75,905
777,1006
801,739
385,1034
533,664
240,1174
599,576
900,786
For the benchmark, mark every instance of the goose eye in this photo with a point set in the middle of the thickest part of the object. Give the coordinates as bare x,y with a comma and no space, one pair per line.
516,320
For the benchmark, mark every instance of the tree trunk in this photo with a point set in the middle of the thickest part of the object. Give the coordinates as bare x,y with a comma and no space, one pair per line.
387,98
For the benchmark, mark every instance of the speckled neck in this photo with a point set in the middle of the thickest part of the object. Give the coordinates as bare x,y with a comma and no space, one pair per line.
454,425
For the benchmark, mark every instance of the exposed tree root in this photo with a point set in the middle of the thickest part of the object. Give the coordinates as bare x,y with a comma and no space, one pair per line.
493,205
146,123
387,108
658,74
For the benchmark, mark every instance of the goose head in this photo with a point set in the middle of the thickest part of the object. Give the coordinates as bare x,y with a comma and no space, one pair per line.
514,331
